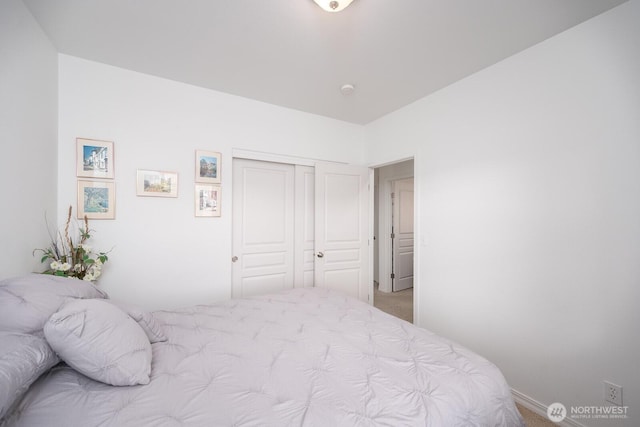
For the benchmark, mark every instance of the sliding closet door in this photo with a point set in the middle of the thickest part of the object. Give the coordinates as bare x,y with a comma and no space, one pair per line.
263,227
296,226
304,227
342,229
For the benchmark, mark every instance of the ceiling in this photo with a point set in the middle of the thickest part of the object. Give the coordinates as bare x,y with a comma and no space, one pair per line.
293,54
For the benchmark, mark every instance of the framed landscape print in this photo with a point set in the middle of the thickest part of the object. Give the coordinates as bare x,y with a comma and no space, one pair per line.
157,183
207,200
96,199
208,167
94,158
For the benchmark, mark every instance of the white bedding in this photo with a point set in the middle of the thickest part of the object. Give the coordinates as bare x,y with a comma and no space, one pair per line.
308,357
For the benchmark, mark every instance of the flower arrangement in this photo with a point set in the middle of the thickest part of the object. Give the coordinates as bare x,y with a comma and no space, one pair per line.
71,258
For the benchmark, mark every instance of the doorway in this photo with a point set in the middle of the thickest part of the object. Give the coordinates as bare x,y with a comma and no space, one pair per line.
394,239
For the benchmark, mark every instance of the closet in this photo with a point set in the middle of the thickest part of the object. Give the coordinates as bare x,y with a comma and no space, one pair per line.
300,226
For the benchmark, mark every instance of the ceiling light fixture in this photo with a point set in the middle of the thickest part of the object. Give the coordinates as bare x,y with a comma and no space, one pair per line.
333,5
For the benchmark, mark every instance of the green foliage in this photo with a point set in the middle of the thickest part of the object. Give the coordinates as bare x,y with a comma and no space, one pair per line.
70,258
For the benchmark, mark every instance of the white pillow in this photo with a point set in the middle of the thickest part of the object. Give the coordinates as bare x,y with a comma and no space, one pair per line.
27,302
100,341
23,358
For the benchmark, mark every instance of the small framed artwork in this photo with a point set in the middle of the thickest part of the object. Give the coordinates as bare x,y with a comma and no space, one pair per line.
96,199
157,183
208,167
207,200
94,158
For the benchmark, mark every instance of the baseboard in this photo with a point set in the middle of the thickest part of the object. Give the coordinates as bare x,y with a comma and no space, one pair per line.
540,409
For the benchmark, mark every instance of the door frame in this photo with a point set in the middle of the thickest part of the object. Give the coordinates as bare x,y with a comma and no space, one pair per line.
384,240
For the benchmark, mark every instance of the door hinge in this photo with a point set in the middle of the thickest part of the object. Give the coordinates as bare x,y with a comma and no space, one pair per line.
393,276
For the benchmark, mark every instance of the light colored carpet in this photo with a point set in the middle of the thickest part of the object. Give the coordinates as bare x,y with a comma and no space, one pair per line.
399,304
531,419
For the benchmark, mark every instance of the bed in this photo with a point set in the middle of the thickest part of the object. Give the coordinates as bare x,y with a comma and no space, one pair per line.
306,357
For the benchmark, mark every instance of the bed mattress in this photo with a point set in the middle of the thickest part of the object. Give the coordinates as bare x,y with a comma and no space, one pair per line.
307,357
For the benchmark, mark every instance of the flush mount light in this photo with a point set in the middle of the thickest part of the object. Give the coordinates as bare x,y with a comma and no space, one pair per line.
333,5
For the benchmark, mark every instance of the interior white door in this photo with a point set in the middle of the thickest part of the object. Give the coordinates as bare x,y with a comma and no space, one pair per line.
263,227
342,229
402,207
304,226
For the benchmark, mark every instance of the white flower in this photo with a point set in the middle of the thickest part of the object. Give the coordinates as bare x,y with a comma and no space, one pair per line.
86,248
94,270
89,277
77,267
55,265
65,267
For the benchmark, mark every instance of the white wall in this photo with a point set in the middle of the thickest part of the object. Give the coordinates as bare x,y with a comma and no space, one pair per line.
529,178
28,126
162,255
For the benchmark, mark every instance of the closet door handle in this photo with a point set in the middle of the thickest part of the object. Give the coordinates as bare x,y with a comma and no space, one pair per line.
320,255
234,259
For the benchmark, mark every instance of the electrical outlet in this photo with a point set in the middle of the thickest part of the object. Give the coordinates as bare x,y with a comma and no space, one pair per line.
613,393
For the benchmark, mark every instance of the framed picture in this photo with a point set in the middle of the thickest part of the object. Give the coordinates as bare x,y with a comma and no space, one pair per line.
208,167
94,158
96,199
157,183
207,200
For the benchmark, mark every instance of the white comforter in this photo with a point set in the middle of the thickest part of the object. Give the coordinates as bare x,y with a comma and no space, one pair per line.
308,357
